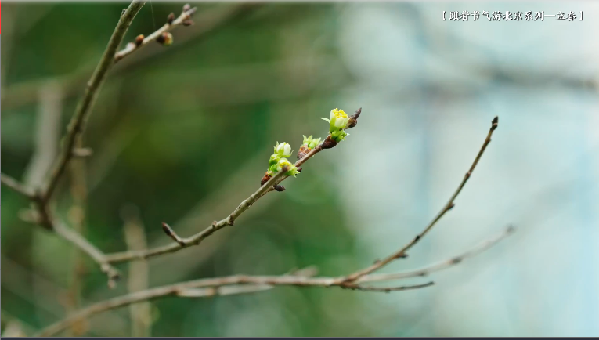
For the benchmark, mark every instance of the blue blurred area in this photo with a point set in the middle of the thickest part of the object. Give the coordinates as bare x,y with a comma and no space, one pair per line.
436,85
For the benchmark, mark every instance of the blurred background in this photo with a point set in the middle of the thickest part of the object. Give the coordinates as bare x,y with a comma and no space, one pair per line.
182,134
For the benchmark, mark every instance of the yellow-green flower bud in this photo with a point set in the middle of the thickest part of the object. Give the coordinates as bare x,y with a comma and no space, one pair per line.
283,149
284,163
338,120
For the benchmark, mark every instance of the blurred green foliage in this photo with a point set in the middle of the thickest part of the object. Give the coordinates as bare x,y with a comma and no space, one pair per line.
167,136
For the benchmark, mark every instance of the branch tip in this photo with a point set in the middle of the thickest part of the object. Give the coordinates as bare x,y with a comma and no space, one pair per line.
171,233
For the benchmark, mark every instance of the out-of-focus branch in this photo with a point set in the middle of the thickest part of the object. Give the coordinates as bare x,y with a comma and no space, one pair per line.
448,206
41,197
135,237
181,242
140,42
206,23
240,284
47,135
77,216
425,271
16,186
387,289
77,124
83,244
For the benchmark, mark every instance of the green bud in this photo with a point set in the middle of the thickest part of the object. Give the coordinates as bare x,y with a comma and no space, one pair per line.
283,149
310,142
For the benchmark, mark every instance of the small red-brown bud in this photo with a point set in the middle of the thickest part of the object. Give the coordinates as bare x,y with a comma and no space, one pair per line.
265,179
139,40
303,151
352,122
170,18
187,22
353,119
279,188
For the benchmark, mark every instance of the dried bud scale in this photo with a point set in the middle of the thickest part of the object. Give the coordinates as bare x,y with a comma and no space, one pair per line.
187,22
353,119
139,40
170,18
186,7
302,152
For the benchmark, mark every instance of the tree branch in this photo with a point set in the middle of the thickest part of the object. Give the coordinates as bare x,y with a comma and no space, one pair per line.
354,286
131,47
77,124
83,244
16,186
448,206
41,198
209,21
426,271
181,242
135,237
245,284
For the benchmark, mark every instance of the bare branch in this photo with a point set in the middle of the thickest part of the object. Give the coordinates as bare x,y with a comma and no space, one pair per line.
77,124
231,285
448,206
47,134
181,242
77,216
42,198
80,242
208,22
131,47
135,237
171,233
184,289
353,286
16,186
425,271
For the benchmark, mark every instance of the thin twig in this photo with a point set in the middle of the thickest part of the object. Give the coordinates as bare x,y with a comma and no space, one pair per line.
426,271
181,288
448,206
199,237
77,124
77,217
240,289
181,242
16,186
41,198
166,28
47,136
207,22
135,237
80,242
256,283
354,286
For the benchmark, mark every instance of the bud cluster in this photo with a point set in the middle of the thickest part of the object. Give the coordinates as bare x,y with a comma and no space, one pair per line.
278,162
